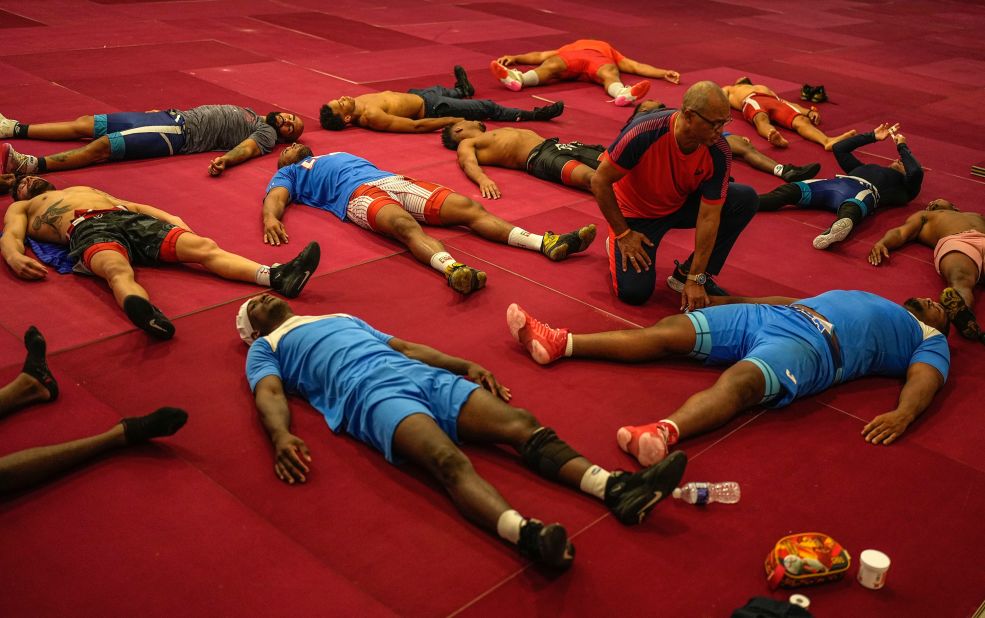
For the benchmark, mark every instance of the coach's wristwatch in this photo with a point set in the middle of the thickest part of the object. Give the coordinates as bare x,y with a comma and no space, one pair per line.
699,278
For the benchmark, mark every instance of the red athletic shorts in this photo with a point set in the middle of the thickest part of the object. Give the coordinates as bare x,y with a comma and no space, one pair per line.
779,111
584,58
423,200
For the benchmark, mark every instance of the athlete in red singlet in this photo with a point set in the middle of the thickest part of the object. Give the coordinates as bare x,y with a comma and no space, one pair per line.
586,59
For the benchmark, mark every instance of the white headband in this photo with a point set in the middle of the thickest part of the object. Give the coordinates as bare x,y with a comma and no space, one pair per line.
243,325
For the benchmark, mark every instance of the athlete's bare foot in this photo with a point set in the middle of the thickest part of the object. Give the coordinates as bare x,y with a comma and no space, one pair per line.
778,140
834,140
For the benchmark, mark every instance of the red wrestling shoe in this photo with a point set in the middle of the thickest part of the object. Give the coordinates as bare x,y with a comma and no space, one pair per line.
647,443
630,94
545,344
510,78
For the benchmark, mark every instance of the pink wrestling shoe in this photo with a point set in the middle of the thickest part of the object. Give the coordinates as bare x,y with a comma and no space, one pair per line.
544,343
629,95
510,78
647,443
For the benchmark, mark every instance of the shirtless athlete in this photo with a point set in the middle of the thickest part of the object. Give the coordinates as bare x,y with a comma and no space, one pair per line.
760,105
106,235
423,110
958,240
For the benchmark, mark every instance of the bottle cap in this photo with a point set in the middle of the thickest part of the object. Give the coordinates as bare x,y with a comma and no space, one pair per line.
677,493
801,600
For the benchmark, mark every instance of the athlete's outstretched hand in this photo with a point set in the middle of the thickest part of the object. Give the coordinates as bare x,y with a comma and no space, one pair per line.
274,232
482,376
885,428
878,253
673,77
290,457
217,166
885,130
489,189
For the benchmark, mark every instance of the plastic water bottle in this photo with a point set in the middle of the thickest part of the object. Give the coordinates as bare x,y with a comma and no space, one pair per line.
706,493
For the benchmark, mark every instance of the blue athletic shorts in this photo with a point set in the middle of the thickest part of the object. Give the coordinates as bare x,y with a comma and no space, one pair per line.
786,346
831,193
392,393
140,135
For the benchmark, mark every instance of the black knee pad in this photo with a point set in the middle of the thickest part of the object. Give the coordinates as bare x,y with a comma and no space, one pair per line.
852,211
780,196
545,453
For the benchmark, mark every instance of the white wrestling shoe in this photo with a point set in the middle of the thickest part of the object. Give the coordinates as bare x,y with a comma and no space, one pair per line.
838,232
13,162
511,78
630,94
7,127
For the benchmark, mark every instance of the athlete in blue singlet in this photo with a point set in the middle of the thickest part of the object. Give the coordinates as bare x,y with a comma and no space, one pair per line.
411,401
779,349
393,205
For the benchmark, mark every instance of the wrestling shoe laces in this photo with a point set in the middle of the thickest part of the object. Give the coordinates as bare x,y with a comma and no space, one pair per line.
647,443
630,94
546,544
545,344
511,78
678,278
838,232
7,126
290,278
796,173
13,162
465,279
559,246
631,497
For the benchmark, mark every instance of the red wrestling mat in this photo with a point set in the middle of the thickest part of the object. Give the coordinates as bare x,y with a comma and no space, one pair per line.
202,512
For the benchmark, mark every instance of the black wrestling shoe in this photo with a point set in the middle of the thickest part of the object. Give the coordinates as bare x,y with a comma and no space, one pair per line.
677,280
807,92
543,113
289,279
159,423
147,317
819,95
546,544
796,173
631,496
36,363
462,83
559,246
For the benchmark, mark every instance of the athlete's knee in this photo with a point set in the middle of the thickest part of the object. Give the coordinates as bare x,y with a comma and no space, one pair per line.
962,278
449,464
742,200
99,149
460,207
636,293
745,382
406,229
546,453
520,426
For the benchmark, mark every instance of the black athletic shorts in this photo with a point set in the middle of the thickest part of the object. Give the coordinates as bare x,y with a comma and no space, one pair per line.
142,239
555,161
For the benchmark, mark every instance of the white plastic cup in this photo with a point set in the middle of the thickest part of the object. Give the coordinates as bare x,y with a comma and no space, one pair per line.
873,565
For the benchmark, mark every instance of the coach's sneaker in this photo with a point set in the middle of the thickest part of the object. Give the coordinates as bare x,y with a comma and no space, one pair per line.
13,162
546,544
545,344
796,173
462,83
838,232
289,279
647,443
678,278
465,279
147,317
7,126
559,246
629,95
511,78
631,496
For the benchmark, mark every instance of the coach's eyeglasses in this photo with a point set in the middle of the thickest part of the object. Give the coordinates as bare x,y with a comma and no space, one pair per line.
717,125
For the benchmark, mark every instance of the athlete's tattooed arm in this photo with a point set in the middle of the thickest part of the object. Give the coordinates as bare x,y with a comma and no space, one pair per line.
12,243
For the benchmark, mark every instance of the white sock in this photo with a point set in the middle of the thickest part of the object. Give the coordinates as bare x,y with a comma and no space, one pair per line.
594,480
441,260
509,524
520,237
263,276
614,89
778,170
569,346
530,78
